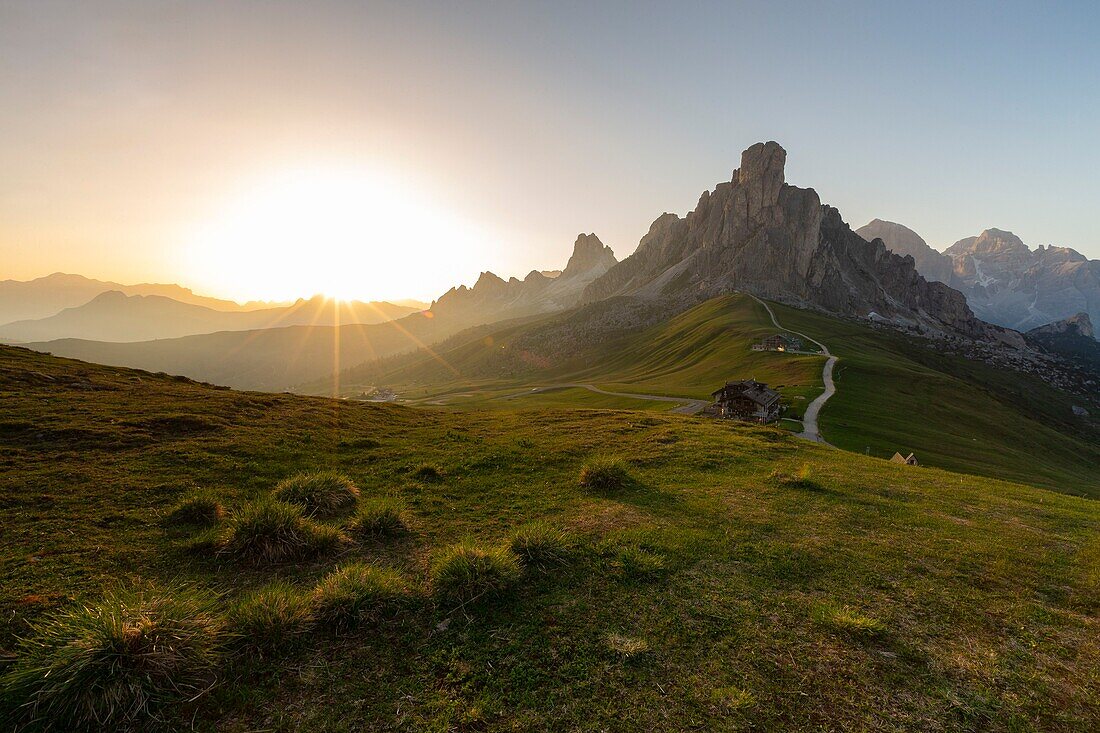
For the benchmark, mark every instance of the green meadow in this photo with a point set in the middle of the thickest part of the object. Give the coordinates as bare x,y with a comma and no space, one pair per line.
894,392
331,565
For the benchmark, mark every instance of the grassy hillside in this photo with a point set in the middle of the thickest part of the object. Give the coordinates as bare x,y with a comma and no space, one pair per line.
895,393
736,578
689,355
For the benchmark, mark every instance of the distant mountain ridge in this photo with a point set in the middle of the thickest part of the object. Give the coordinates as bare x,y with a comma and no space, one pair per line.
279,358
116,317
46,296
492,298
1005,282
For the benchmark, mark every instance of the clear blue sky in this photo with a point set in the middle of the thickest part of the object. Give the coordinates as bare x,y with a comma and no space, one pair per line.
122,121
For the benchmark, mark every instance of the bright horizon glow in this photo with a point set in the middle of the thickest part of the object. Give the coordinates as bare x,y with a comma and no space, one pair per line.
345,233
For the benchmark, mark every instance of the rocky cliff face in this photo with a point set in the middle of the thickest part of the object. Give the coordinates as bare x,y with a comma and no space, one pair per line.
493,298
1004,281
757,233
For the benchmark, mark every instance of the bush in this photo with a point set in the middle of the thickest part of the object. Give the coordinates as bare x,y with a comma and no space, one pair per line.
605,475
319,493
268,530
356,593
540,545
115,662
465,572
380,517
197,508
271,617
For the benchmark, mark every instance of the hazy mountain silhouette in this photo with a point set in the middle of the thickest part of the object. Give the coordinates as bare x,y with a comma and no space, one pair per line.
115,316
46,296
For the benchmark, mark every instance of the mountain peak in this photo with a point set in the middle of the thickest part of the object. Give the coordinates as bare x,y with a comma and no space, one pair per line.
488,280
589,254
761,174
991,241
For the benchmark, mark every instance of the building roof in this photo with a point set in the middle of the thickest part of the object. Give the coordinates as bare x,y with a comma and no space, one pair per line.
750,389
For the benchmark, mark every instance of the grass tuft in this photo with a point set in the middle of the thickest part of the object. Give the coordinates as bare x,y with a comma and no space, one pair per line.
540,545
605,475
465,571
848,620
271,618
802,479
356,593
637,563
269,531
733,698
319,493
625,646
428,473
198,508
380,517
116,662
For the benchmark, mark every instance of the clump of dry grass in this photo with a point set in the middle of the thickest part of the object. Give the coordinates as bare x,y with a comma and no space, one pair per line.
356,593
626,647
269,531
540,545
319,493
466,571
271,618
199,508
605,475
114,663
848,620
381,517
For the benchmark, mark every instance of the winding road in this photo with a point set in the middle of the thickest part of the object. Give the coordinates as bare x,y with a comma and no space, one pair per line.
810,430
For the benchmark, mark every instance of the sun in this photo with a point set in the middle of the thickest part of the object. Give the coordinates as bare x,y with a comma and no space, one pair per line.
348,234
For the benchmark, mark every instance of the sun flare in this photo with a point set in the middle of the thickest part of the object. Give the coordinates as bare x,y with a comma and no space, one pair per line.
344,233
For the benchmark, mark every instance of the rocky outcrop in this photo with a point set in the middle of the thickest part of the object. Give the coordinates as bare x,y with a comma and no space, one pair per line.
759,234
1004,281
1076,325
1073,338
494,299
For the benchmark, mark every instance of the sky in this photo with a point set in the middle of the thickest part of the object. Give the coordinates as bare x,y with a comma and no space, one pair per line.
265,150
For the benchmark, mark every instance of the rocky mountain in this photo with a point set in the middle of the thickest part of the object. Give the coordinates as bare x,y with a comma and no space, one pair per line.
46,296
899,239
116,316
1073,338
1005,282
494,299
759,234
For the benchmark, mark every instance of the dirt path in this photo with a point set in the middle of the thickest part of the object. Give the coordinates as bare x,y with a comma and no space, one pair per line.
687,405
810,430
